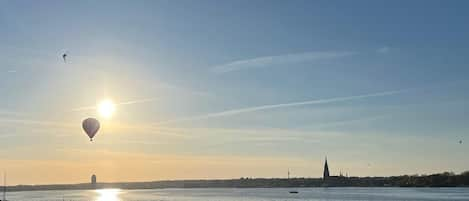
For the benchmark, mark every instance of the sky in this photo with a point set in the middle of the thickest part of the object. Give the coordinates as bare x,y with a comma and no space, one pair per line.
230,89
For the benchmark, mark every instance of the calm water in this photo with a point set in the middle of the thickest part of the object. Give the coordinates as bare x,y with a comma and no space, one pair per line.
280,194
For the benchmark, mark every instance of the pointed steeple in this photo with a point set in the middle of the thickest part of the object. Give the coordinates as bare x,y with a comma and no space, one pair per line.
326,170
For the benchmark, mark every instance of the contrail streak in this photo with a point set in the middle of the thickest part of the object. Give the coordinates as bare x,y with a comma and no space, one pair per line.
283,105
137,101
121,103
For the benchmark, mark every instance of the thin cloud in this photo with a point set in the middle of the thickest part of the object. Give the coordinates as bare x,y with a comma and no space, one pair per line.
280,59
351,121
284,105
383,50
11,113
35,122
173,88
3,135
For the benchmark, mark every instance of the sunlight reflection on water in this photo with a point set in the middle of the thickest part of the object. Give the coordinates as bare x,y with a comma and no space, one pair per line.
108,194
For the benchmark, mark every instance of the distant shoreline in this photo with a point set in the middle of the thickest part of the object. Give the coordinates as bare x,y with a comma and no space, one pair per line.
435,180
358,187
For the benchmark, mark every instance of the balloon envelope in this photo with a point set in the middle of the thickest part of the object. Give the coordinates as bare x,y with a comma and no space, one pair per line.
91,127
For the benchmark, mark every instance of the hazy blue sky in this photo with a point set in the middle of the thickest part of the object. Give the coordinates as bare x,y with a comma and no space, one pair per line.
218,89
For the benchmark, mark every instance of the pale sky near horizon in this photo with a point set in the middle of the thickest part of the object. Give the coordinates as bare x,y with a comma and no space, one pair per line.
211,89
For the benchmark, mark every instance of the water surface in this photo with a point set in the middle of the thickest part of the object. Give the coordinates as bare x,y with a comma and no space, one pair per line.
254,194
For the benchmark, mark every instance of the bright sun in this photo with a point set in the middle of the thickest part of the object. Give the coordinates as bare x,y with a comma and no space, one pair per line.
106,108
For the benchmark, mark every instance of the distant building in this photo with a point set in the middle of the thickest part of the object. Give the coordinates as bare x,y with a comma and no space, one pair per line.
326,170
93,179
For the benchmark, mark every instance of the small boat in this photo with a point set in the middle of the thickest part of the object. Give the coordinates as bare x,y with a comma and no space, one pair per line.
293,192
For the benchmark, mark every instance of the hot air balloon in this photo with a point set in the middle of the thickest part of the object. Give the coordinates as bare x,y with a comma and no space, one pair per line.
91,127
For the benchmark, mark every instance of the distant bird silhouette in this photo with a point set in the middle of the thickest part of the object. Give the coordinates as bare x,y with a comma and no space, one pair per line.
64,56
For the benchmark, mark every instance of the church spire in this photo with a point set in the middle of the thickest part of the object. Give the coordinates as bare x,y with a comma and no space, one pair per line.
326,170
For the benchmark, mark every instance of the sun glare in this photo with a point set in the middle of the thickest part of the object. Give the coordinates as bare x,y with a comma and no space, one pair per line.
106,108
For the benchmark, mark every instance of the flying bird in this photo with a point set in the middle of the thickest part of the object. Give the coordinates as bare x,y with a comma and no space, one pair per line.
64,56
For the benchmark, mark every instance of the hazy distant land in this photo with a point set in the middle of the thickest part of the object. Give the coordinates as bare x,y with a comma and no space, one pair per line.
435,180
